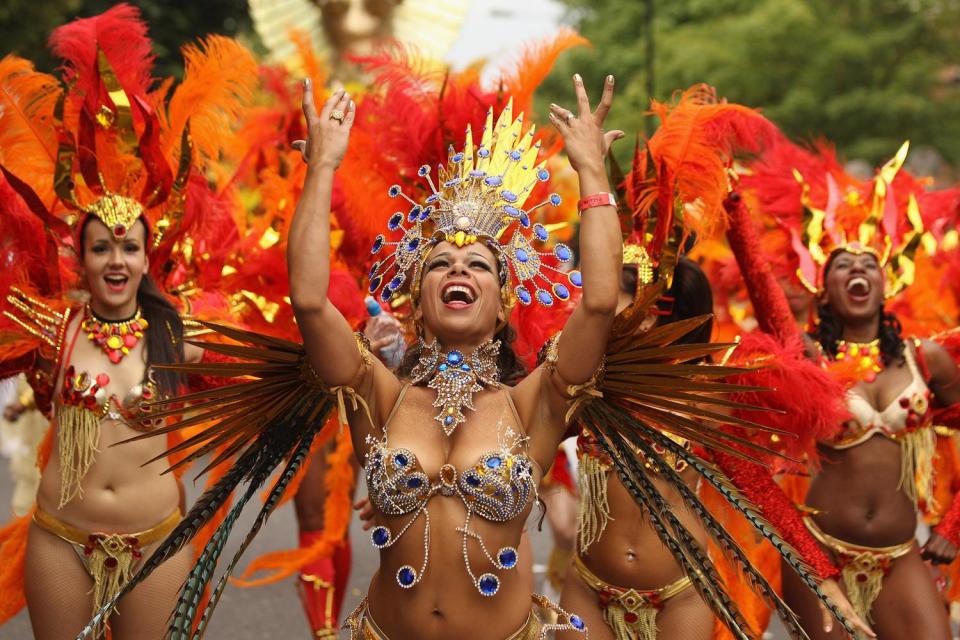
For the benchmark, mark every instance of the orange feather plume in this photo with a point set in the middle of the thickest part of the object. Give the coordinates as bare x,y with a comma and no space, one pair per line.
220,77
535,63
28,142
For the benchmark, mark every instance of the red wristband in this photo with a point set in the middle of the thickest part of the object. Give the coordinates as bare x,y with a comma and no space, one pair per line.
601,199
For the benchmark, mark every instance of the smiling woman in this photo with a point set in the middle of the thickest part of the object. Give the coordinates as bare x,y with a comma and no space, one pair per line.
451,501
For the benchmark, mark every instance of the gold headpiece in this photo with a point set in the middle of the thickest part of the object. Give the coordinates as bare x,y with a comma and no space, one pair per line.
829,230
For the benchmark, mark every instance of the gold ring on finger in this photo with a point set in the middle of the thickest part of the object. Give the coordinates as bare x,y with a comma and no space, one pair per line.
569,118
337,114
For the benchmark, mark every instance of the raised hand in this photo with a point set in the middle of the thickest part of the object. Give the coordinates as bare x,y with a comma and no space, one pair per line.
584,138
328,132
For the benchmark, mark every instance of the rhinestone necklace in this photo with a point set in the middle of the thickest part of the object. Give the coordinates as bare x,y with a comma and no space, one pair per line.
114,337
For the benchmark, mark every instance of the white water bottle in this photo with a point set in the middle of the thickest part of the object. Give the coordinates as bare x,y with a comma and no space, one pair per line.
382,325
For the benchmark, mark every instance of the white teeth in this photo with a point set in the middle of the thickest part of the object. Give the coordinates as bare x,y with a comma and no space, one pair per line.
456,288
859,282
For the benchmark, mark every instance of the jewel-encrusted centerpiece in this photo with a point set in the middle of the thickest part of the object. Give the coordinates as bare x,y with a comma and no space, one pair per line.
456,377
479,197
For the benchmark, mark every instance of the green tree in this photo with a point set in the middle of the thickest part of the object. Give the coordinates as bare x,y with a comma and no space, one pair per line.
865,74
25,25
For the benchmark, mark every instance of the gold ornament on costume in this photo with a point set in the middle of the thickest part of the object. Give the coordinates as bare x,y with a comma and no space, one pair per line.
865,357
117,212
115,339
822,235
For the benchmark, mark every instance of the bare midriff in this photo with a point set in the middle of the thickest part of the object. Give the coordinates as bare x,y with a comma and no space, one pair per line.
857,494
629,553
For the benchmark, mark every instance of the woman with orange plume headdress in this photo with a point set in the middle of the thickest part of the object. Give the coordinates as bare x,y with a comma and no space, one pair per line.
101,196
676,188
856,243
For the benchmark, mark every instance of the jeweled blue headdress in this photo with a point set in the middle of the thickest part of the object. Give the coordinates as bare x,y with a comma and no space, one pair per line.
481,196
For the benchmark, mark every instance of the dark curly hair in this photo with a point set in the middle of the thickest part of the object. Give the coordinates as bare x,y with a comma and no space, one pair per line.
829,330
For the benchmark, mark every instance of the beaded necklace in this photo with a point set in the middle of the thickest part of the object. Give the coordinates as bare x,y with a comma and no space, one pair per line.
114,337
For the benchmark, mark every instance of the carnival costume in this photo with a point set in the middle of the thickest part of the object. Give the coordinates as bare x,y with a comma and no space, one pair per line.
670,194
883,218
478,196
103,145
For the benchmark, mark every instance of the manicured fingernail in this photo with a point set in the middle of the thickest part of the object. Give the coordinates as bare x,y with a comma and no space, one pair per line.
353,105
610,79
577,77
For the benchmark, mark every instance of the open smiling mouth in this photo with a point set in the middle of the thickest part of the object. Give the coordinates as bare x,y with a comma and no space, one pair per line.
115,281
457,296
858,289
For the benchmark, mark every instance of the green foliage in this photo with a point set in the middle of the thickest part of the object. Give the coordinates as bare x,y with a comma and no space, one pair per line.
865,74
25,25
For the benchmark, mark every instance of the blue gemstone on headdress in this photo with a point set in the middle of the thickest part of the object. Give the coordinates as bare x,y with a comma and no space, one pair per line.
493,181
563,253
380,537
575,278
515,155
413,244
477,173
393,191
426,213
507,557
523,295
555,199
400,460
414,483
377,244
521,255
395,220
560,291
457,157
509,196
544,297
375,283
511,211
373,269
386,294
414,213
541,232
483,153
432,197
488,584
494,462
577,622
406,576
525,220
451,182
543,175
397,282
454,358
473,481
423,170
447,421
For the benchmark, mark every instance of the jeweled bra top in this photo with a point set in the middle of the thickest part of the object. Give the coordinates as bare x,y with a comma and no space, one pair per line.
498,488
907,413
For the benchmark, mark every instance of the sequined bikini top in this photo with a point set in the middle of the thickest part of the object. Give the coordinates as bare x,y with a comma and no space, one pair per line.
907,413
498,488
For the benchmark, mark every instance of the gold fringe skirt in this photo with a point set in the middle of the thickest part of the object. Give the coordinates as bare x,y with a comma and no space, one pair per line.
545,618
630,614
109,558
862,568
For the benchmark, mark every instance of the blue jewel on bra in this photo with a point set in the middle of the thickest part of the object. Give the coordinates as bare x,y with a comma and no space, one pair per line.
406,576
488,584
494,462
414,483
380,537
400,460
473,481
447,421
507,557
577,622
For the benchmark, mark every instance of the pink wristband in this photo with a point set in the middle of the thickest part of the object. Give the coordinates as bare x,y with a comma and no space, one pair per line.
601,199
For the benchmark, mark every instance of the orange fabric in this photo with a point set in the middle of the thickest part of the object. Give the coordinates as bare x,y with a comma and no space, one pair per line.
338,483
13,551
